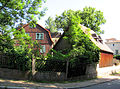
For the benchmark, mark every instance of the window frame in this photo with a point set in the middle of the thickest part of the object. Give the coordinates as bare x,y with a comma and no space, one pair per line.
39,36
42,48
116,52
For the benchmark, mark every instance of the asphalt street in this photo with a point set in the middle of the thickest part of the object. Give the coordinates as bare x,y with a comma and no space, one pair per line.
108,85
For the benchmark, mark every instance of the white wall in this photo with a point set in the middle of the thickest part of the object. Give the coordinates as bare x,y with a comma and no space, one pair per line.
114,46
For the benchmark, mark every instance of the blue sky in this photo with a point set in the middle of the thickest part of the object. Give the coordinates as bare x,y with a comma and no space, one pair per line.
110,8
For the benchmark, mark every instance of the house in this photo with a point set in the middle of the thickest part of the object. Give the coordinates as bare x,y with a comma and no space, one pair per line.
40,34
106,54
114,45
55,37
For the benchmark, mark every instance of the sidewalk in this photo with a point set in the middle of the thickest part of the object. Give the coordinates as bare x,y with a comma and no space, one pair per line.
11,84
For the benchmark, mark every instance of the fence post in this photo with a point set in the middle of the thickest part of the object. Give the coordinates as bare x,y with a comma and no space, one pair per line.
67,65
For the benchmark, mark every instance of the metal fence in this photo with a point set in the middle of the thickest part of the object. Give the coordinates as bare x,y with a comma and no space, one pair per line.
11,63
71,69
50,65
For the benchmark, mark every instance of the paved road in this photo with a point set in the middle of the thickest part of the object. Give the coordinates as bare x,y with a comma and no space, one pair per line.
108,85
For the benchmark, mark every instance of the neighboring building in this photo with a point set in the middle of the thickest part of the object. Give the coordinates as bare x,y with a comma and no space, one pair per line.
40,34
106,54
114,45
55,37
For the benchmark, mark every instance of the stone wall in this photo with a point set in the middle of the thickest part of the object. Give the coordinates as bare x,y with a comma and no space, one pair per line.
45,76
38,76
13,74
91,70
49,76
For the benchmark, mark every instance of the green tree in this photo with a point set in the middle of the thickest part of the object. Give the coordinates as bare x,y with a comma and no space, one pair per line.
13,11
50,24
79,43
65,20
90,17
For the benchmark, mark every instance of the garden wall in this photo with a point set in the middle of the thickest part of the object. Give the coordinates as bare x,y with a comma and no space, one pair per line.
13,74
45,76
38,76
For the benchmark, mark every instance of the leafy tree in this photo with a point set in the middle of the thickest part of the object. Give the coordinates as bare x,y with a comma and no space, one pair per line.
90,18
77,40
79,43
77,51
50,24
64,21
12,11
6,43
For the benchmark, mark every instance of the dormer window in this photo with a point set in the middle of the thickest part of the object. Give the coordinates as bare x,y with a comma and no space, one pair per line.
39,36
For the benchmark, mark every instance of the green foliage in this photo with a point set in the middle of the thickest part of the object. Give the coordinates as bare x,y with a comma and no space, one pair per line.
6,43
12,11
14,43
52,63
17,56
56,55
92,18
117,56
89,17
82,47
65,20
50,24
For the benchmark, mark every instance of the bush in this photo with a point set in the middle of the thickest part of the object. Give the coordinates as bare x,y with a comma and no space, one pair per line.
117,57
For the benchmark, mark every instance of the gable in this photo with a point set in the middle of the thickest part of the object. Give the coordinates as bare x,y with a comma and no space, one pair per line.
97,40
38,29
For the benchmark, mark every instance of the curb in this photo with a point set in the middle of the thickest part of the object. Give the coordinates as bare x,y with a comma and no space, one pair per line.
89,84
10,87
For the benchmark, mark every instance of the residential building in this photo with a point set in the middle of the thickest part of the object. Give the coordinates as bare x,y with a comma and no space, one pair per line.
114,45
40,34
106,54
55,37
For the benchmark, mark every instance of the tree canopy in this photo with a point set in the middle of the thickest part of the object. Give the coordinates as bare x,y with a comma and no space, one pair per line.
77,49
17,11
13,11
50,24
89,17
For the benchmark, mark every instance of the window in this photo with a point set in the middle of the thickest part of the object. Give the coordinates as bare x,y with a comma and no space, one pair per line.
116,51
42,49
39,36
